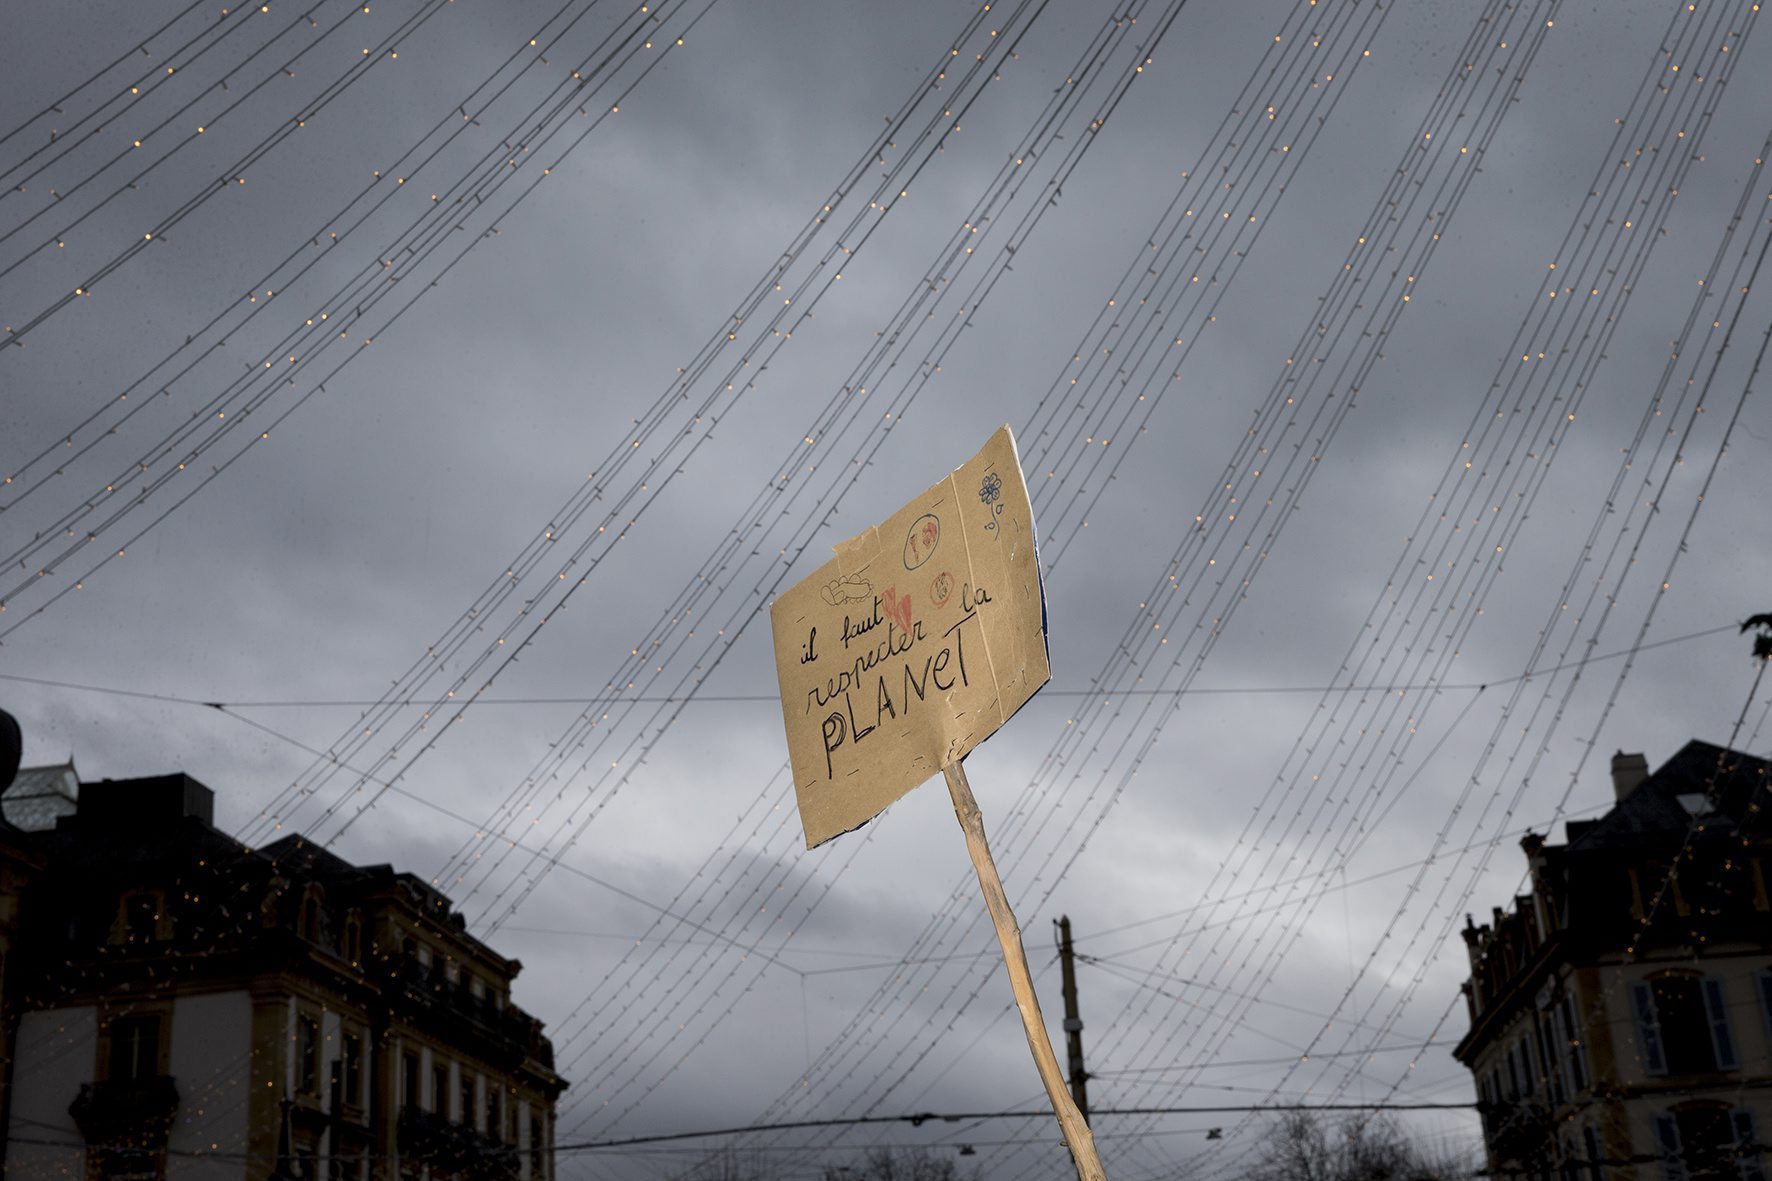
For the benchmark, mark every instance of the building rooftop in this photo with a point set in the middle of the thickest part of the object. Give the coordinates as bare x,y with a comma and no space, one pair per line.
40,796
1701,780
1601,895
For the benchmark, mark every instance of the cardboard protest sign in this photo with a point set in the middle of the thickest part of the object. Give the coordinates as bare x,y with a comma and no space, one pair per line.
913,644
900,655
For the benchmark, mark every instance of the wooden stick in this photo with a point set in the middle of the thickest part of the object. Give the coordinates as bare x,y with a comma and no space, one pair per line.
1070,1120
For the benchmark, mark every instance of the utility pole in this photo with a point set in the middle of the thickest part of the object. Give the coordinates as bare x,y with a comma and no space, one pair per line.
1073,1024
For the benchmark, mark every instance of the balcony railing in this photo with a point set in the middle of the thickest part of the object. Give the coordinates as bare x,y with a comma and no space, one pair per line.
126,1112
502,1022
437,1140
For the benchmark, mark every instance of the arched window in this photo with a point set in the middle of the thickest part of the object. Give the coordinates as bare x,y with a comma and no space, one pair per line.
353,946
141,918
311,923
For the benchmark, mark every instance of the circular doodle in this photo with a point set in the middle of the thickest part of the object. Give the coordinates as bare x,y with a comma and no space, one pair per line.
920,542
941,588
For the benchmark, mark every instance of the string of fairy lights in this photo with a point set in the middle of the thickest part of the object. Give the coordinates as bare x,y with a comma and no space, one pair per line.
335,235
748,866
374,284
143,48
772,580
704,1034
195,123
1666,459
1724,765
1683,346
1750,186
335,231
1097,681
768,500
124,98
516,569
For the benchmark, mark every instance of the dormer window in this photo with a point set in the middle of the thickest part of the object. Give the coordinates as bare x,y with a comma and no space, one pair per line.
353,947
141,918
311,922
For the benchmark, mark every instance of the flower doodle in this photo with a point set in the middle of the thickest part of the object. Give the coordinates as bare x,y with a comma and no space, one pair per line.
990,492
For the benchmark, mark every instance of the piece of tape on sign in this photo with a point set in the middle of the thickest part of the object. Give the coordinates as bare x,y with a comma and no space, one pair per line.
913,644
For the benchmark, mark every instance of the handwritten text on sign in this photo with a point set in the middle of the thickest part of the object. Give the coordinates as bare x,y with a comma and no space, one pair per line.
912,645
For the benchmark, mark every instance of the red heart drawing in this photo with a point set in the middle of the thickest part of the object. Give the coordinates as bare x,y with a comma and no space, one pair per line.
898,608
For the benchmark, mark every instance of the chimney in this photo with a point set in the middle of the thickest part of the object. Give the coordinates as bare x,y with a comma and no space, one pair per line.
1627,772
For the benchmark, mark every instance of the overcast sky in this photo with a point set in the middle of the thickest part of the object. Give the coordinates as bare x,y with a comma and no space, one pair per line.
1254,287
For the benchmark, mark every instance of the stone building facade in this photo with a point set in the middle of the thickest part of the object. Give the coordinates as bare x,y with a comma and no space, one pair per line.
1621,1009
181,1005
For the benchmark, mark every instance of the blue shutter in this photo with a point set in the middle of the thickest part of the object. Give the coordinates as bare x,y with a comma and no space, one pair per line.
1719,1023
1648,1028
1667,1138
1747,1149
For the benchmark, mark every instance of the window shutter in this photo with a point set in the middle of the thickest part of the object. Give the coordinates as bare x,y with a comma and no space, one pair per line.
1667,1137
1572,1050
1747,1148
1648,1028
1719,1023
1545,1029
